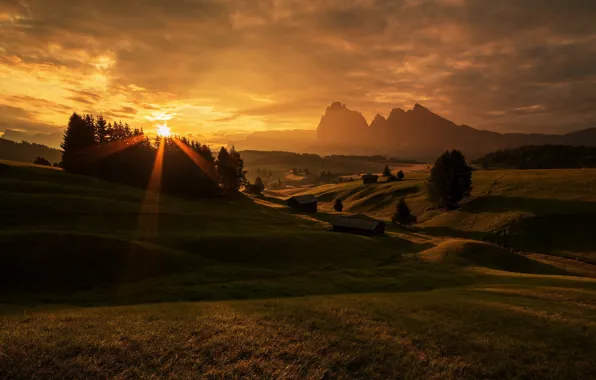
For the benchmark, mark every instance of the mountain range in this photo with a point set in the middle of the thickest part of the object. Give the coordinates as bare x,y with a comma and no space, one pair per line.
422,134
415,134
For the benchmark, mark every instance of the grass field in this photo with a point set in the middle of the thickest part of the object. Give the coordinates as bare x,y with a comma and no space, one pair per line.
242,287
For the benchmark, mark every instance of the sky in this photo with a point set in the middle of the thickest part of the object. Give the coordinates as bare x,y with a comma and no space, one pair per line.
212,69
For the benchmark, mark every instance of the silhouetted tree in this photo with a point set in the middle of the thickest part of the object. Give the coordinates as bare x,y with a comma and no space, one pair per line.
386,171
101,130
259,183
402,214
338,206
42,161
400,175
450,180
78,137
230,168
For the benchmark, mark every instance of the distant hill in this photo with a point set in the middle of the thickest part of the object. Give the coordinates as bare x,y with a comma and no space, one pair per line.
297,140
422,134
540,157
27,152
52,140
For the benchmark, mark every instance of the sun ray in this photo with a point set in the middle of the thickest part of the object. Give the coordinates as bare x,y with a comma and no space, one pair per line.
203,164
149,214
96,153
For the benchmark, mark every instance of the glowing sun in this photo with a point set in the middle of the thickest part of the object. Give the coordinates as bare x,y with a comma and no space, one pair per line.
164,130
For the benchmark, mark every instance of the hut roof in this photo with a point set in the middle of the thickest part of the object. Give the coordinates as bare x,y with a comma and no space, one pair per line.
370,176
304,199
357,223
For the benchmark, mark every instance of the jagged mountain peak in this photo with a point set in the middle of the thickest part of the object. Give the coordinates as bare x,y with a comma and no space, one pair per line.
395,115
420,108
337,106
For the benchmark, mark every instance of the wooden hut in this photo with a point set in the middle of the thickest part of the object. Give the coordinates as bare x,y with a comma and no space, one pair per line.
303,203
359,226
370,178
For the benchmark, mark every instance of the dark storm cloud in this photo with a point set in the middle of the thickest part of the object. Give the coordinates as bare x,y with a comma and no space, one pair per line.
528,64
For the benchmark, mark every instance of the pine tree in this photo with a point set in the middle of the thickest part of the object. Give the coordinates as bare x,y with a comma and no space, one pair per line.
450,180
400,175
78,138
101,130
403,215
338,206
386,171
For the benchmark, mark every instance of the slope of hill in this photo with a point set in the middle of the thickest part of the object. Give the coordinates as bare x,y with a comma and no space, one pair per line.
91,285
421,134
27,152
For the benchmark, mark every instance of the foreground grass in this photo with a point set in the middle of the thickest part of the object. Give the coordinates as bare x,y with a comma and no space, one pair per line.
487,332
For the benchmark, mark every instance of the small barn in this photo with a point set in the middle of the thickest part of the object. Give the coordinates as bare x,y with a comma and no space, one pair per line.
303,203
370,178
359,226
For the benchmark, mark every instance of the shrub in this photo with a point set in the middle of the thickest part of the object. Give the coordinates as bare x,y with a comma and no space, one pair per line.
403,215
42,161
338,206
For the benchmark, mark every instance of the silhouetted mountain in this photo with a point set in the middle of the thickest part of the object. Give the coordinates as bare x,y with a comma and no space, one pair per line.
340,125
422,134
26,152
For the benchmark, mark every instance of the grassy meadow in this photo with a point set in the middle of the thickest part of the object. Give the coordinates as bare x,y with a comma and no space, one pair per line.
92,284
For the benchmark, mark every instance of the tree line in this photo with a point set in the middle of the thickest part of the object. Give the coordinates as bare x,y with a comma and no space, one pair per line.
118,153
540,157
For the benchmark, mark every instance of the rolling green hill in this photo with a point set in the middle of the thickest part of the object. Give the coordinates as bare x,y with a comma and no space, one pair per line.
546,211
95,284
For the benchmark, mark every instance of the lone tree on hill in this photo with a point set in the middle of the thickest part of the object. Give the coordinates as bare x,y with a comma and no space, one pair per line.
450,180
386,171
403,215
41,161
338,206
400,175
